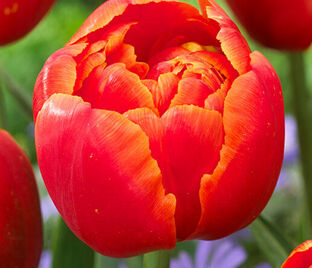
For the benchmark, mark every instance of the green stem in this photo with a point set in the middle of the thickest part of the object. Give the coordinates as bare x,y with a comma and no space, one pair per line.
271,241
3,115
302,106
68,251
17,92
157,259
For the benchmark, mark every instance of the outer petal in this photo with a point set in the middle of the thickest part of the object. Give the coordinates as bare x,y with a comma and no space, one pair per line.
251,158
20,217
301,257
280,24
58,75
233,44
19,17
99,171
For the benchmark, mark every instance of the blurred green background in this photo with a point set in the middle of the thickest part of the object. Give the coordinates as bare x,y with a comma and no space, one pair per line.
24,59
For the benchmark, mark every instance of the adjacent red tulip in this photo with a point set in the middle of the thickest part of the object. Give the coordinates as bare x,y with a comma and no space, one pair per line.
20,217
280,24
301,257
19,17
156,124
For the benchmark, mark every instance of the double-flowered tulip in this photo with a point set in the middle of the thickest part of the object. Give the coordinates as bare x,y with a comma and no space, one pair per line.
156,124
20,217
301,257
280,24
18,17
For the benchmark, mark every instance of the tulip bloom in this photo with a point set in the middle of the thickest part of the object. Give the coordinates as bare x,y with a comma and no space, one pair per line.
280,24
301,256
156,124
20,217
19,17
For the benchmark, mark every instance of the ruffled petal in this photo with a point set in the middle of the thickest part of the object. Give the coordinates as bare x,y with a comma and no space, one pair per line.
191,91
105,183
86,66
152,126
215,101
58,75
148,27
250,162
167,88
233,44
115,88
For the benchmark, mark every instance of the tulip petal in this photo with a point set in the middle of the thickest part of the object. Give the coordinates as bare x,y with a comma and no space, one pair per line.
167,88
186,143
166,55
149,26
131,214
215,101
192,140
115,88
219,62
300,257
233,44
126,54
183,32
20,217
86,66
251,158
57,76
191,91
152,126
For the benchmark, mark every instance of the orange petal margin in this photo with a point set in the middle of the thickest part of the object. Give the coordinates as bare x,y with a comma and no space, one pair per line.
233,44
81,150
300,257
241,185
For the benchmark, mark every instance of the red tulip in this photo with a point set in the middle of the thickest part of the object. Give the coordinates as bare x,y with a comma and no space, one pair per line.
19,17
301,257
156,124
280,24
20,217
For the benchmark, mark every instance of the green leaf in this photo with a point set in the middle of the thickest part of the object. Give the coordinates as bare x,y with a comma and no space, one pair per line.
274,245
68,251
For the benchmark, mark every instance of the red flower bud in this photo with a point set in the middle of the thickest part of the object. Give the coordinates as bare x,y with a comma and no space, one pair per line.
301,257
19,17
20,217
280,24
156,124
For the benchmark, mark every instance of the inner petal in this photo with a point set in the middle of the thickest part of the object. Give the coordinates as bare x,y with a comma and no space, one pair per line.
191,144
191,91
186,142
115,88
